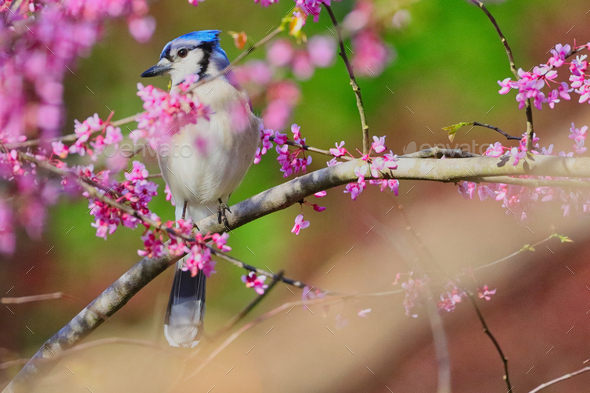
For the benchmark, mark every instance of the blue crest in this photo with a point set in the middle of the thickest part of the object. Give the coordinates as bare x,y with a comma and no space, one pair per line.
192,40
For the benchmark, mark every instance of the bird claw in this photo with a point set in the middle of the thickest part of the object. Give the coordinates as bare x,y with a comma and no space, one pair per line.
221,213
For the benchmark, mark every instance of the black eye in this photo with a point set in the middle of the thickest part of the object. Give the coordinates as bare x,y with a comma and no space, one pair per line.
182,53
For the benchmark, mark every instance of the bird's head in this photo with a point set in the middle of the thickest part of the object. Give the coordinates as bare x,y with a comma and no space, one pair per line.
193,53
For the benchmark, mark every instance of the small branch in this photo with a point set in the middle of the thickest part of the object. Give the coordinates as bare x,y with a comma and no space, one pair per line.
486,330
528,109
313,149
511,255
274,312
237,318
509,137
37,298
502,38
259,271
533,183
562,378
355,86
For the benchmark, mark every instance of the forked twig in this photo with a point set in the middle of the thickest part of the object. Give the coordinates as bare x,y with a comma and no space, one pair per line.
486,330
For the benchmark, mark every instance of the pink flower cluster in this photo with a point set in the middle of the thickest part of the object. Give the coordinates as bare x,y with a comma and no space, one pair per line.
375,166
182,242
265,88
256,282
519,200
413,295
135,191
531,83
319,52
290,160
450,298
87,142
166,113
38,52
371,55
308,7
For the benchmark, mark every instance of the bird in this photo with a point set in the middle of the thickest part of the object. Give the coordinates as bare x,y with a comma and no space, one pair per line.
222,148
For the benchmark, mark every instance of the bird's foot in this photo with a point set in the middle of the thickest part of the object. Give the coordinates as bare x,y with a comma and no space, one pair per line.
221,213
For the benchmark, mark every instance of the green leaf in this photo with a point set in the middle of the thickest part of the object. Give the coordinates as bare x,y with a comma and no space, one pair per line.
564,239
527,247
452,130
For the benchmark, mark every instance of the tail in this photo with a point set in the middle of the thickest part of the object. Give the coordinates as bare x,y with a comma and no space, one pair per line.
183,325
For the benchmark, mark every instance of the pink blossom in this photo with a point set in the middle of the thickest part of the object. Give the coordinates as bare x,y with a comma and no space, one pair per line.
413,294
339,151
299,224
59,149
320,194
142,28
280,53
363,313
311,294
256,282
302,67
506,85
318,208
7,236
371,55
485,292
166,113
154,247
296,130
221,241
378,144
199,258
138,172
321,50
559,54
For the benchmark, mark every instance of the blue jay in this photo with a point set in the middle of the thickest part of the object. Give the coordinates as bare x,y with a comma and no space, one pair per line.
221,151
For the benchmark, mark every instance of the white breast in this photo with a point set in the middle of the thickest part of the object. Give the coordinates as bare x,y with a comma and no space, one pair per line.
208,160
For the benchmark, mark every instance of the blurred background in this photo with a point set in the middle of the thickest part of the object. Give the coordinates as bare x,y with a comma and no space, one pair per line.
447,60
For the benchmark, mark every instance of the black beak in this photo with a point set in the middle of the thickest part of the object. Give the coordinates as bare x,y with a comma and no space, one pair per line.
158,69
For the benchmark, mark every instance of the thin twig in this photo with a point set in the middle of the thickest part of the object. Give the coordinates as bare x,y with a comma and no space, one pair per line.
355,86
256,270
81,347
314,149
508,136
239,316
562,378
37,298
513,254
274,312
486,330
528,107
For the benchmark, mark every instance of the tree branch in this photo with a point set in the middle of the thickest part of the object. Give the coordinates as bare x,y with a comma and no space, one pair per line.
278,198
